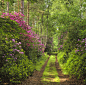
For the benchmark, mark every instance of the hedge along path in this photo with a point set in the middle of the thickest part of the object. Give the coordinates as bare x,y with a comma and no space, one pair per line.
65,79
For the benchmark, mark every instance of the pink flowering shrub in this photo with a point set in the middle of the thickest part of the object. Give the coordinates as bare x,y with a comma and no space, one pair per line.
13,60
30,41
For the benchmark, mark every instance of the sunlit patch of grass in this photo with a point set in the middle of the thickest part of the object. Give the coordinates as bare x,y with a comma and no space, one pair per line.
48,79
50,73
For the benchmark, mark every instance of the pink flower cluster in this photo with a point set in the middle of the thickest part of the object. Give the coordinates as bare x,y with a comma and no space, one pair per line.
31,37
15,48
18,18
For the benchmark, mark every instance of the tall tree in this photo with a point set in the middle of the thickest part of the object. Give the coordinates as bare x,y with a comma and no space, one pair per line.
18,5
2,4
7,7
22,6
27,12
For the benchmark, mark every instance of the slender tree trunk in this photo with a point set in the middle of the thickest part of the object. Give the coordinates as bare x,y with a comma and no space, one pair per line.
22,7
42,28
47,28
14,6
28,13
38,25
42,23
2,5
33,22
18,6
81,14
7,7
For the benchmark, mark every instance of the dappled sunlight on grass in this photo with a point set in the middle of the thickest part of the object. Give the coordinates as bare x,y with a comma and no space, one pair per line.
48,79
50,76
50,73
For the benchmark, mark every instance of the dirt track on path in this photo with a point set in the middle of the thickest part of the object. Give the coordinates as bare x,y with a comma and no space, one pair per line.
35,79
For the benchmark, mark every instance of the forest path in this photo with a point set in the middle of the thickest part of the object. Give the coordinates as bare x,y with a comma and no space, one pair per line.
36,78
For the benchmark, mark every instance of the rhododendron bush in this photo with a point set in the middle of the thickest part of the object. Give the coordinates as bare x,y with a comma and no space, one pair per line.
14,64
19,48
29,40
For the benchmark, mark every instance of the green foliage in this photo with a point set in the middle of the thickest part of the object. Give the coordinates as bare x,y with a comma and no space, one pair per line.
32,1
40,61
10,27
11,69
73,64
55,43
62,57
76,65
17,71
85,81
48,45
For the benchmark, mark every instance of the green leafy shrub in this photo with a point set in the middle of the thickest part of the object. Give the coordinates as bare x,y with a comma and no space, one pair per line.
19,71
11,28
14,64
76,64
62,57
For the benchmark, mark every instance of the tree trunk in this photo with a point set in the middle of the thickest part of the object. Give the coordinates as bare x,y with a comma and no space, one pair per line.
18,6
81,14
14,6
38,25
28,13
47,28
42,24
33,22
2,5
22,7
7,7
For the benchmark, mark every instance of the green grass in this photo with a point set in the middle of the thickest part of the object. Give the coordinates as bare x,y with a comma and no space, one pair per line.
59,56
41,62
50,74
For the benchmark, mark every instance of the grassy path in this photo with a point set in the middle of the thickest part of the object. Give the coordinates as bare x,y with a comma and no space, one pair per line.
50,73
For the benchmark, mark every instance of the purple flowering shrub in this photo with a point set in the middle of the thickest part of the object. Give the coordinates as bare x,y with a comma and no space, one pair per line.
81,46
17,43
14,64
30,41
